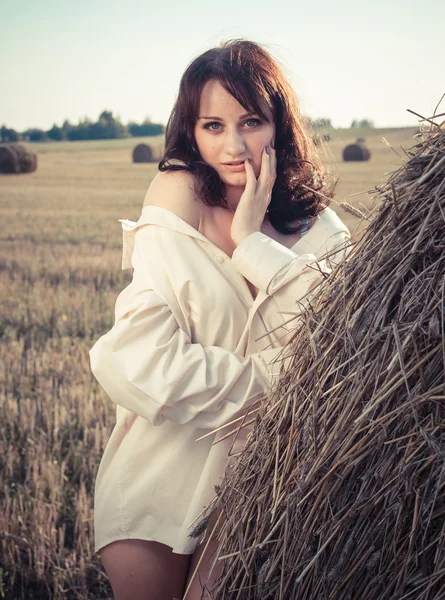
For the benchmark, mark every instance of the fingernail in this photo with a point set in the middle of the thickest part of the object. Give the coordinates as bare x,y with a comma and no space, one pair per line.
272,144
267,150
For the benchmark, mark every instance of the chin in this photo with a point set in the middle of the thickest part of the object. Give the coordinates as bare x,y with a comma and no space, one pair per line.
232,178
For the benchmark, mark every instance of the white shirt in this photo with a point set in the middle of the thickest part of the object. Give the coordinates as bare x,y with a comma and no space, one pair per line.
188,354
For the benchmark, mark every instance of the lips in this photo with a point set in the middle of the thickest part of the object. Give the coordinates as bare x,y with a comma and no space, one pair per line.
239,168
235,162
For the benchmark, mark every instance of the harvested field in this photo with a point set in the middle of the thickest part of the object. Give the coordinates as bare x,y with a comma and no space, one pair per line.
60,275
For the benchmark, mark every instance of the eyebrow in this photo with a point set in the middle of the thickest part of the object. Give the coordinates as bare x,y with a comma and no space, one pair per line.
249,114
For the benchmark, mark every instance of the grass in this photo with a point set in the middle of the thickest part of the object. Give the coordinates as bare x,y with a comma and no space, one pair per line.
60,249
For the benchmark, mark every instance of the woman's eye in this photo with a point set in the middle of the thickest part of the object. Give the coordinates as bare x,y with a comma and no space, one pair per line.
208,125
257,121
210,128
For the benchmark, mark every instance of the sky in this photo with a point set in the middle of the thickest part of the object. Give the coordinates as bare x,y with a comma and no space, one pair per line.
345,59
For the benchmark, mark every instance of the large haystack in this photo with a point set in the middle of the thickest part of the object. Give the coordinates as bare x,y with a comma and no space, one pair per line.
339,493
143,153
16,158
356,152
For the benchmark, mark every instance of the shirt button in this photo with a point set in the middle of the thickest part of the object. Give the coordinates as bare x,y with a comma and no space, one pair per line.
220,258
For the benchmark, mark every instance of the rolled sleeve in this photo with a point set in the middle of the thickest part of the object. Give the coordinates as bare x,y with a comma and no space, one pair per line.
285,275
259,258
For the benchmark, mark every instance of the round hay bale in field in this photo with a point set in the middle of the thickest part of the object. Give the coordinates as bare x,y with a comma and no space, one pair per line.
143,153
339,491
9,161
24,161
356,152
27,158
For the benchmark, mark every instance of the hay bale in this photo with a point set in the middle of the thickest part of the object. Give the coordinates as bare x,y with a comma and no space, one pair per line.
16,158
339,492
356,152
143,153
9,161
27,158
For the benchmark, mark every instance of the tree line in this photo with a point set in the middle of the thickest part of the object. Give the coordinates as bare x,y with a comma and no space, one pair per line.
325,123
107,127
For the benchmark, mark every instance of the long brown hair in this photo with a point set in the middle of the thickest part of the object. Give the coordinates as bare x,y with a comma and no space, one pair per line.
250,74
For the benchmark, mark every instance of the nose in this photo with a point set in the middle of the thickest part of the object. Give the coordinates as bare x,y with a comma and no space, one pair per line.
234,142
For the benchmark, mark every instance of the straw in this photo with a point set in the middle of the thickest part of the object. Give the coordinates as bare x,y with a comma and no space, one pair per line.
340,491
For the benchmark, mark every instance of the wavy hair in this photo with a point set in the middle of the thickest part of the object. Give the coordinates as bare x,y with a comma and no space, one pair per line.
250,74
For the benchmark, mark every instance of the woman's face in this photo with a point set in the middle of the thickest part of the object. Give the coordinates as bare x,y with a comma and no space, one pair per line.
224,133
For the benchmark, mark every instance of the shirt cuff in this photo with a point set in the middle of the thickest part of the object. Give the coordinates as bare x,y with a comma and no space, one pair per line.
259,258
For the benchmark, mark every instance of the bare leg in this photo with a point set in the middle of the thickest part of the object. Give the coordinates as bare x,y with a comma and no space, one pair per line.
141,570
203,556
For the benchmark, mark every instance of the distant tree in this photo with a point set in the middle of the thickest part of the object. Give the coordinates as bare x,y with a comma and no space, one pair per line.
81,131
145,129
9,135
362,123
35,135
366,123
107,116
113,126
107,127
66,128
322,123
56,133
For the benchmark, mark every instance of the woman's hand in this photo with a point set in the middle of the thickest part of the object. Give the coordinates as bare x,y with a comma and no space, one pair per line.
251,210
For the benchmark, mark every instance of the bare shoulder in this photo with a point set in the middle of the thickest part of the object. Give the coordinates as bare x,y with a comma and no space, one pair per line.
175,191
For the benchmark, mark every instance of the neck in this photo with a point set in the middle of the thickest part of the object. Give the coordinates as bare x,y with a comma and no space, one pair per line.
233,195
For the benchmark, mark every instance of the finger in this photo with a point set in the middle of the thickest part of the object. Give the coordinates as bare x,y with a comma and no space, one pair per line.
251,180
272,157
265,168
271,170
273,160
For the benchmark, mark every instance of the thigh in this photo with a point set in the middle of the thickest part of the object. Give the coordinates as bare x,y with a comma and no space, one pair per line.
201,562
141,570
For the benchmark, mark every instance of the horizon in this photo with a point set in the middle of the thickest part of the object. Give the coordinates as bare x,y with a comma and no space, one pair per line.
125,124
357,63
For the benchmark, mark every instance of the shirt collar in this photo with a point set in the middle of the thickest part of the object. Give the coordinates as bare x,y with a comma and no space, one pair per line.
158,215
153,215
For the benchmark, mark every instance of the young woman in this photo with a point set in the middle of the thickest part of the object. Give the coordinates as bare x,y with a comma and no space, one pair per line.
230,232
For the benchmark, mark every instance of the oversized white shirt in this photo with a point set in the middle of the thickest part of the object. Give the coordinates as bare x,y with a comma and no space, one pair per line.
188,353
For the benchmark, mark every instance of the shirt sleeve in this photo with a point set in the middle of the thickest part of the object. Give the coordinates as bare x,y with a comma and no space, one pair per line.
282,273
148,364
